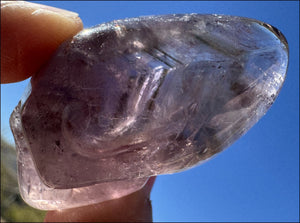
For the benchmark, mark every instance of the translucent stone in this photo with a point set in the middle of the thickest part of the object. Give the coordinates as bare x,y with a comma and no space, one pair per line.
133,98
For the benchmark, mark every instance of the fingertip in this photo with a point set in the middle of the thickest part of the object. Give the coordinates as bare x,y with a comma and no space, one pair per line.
30,33
131,208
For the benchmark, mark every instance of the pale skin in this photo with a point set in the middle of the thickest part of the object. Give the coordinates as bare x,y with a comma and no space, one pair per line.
30,33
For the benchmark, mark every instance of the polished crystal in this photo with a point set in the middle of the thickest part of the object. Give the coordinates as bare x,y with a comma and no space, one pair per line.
139,97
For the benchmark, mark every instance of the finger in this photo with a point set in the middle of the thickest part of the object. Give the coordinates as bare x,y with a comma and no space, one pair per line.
135,207
30,33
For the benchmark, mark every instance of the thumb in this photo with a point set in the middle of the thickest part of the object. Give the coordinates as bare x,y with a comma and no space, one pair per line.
135,207
30,33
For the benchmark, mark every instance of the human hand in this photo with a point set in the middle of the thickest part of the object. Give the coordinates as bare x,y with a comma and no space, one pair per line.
30,33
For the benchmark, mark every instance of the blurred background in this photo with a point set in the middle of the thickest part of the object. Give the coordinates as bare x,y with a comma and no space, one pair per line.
13,208
256,179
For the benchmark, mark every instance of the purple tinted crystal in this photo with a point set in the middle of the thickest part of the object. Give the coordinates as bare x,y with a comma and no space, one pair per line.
133,98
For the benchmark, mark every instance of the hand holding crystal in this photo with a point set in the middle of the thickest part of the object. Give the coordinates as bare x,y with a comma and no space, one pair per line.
30,33
126,100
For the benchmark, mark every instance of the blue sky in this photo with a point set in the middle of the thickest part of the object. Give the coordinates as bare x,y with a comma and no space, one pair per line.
257,178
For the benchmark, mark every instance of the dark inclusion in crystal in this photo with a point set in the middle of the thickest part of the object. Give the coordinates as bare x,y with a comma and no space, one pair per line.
146,96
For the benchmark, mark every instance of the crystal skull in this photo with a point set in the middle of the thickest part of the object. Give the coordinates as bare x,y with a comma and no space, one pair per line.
134,98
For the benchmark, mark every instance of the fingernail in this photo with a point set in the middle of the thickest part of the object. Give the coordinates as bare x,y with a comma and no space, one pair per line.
62,12
39,8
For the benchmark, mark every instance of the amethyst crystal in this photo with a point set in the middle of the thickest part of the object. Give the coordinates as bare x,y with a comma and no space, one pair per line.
133,98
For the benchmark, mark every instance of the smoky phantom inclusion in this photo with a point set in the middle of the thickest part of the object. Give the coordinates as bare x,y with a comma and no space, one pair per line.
133,98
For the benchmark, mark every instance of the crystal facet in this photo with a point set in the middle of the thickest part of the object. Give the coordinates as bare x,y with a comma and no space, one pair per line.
138,97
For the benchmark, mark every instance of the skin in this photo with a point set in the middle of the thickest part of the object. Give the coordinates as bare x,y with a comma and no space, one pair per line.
30,33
